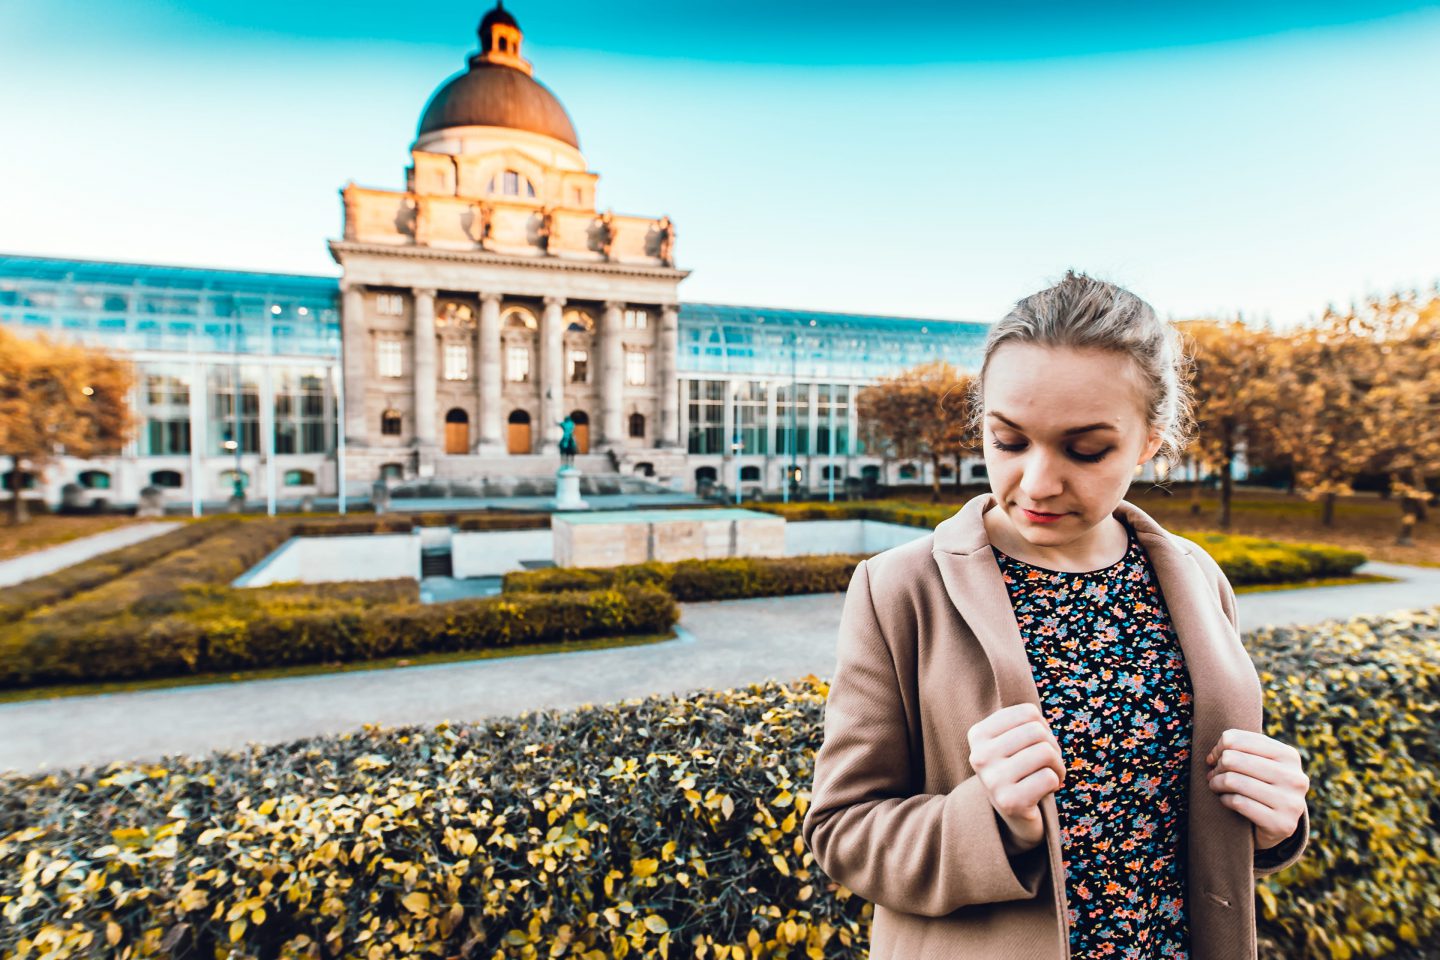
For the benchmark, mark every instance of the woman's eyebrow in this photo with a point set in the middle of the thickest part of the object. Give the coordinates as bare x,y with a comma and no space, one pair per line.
1072,430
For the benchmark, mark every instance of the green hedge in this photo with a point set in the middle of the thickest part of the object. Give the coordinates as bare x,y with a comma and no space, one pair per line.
1244,559
223,631
727,578
661,827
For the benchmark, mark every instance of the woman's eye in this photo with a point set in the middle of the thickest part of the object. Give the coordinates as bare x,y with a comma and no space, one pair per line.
1085,457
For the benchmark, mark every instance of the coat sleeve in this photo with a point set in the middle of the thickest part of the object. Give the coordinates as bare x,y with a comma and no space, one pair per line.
920,853
1278,857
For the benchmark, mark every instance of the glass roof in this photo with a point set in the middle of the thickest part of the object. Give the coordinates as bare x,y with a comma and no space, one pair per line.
152,306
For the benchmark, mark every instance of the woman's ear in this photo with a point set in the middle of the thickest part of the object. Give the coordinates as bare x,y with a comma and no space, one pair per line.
1152,445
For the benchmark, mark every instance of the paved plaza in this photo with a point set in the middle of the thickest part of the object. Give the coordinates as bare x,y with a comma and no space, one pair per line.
720,645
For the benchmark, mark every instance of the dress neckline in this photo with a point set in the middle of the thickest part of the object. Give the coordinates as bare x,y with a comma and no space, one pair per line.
1131,543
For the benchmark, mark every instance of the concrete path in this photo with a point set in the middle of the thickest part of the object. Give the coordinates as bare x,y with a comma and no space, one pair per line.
721,645
42,562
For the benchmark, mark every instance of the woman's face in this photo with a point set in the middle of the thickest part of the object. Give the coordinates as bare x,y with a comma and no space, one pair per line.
1036,401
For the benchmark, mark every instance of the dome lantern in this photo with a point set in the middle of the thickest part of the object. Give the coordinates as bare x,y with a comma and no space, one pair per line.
500,38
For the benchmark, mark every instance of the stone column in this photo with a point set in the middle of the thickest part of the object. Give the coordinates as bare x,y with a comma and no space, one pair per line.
612,372
487,365
354,348
552,373
669,385
424,372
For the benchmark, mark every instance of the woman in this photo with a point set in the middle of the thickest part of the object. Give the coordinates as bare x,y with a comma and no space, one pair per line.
1052,685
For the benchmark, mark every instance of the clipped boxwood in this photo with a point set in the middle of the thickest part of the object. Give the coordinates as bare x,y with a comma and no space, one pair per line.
659,827
1244,559
221,631
725,578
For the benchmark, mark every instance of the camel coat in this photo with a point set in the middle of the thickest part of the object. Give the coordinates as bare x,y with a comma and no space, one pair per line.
928,646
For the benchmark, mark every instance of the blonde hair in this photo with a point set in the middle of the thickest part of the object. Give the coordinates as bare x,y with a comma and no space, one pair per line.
1081,311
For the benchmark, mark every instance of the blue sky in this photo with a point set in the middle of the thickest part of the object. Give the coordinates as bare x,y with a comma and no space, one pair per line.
928,159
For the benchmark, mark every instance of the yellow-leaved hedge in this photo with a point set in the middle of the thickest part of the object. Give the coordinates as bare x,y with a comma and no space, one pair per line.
663,827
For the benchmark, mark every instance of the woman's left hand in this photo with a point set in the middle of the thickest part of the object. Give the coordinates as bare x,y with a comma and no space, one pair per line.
1260,778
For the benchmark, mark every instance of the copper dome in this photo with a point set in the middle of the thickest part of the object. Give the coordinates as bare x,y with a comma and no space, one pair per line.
492,95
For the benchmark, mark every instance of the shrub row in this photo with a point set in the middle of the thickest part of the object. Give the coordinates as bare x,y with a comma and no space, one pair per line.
1244,559
237,629
664,827
726,578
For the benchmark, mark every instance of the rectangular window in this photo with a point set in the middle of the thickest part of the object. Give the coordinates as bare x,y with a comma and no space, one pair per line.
517,364
579,361
169,436
635,367
636,320
707,416
388,358
457,361
390,304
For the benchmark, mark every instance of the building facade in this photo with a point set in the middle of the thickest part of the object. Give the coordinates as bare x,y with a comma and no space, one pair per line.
476,309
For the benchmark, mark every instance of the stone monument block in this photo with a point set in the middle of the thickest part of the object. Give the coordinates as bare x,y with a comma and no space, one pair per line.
612,538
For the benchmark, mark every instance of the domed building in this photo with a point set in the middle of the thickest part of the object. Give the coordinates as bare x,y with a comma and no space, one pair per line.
490,299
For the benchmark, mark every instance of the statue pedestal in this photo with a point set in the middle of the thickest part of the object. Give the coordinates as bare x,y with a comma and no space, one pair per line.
567,489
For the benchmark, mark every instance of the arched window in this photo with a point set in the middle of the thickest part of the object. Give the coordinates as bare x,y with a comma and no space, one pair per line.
750,473
908,471
578,321
705,475
27,479
390,423
637,424
512,183
95,480
227,477
645,469
166,479
520,318
299,478
826,472
391,471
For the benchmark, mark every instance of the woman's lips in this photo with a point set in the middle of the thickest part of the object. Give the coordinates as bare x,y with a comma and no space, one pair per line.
1034,517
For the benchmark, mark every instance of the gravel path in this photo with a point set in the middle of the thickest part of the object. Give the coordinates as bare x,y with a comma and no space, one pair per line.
720,645
37,564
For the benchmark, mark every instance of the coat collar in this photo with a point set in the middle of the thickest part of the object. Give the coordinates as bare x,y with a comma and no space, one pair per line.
973,581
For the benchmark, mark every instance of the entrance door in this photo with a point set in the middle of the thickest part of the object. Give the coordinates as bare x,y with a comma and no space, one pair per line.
518,438
457,432
582,430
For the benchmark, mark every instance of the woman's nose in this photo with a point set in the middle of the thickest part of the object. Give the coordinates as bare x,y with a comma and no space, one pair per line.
1041,480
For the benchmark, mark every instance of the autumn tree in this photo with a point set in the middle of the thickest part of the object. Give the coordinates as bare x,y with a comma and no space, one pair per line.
1320,382
919,413
58,398
1232,385
1401,412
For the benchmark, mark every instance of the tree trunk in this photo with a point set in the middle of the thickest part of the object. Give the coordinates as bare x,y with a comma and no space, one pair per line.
1195,506
18,513
934,478
1422,482
1405,538
1227,483
1327,513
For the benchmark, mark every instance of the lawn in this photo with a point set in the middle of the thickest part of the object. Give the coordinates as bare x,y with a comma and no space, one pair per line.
47,530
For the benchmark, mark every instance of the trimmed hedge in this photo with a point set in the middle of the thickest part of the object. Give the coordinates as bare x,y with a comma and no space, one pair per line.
663,827
727,578
1244,559
222,631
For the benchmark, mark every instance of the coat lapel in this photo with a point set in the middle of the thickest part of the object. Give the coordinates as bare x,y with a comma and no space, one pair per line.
1226,693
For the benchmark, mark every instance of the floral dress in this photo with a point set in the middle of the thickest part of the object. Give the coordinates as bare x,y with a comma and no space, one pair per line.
1114,689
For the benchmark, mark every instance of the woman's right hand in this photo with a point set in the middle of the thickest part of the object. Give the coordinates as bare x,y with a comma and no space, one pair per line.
1018,760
